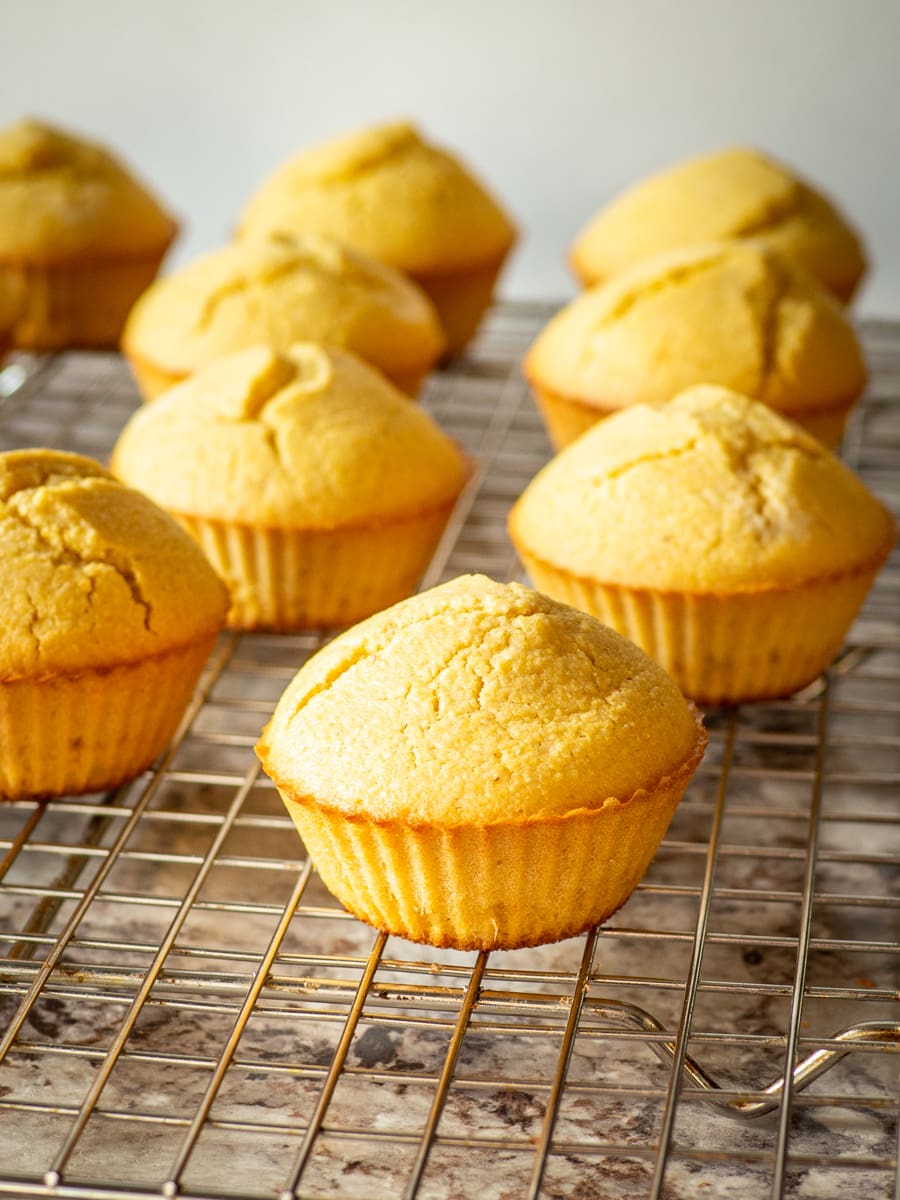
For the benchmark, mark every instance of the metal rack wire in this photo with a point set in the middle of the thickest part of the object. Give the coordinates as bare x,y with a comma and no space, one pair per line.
189,1013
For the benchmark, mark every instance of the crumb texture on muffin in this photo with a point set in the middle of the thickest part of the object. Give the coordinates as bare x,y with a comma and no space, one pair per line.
710,493
477,703
278,290
94,574
311,438
735,314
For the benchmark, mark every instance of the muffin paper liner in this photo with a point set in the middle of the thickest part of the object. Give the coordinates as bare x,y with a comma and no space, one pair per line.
283,579
409,381
91,730
153,380
567,418
79,303
518,883
725,648
826,424
461,298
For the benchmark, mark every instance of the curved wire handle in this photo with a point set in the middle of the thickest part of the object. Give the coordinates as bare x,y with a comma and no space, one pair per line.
805,1071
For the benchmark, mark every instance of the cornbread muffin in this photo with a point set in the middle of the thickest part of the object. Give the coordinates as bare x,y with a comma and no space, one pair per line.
732,193
722,538
731,313
78,233
411,204
275,291
316,489
481,767
110,612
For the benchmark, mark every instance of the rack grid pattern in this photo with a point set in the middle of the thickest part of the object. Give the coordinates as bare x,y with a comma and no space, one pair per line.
189,1013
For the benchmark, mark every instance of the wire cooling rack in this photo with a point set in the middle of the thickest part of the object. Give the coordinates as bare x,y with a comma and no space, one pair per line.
189,1013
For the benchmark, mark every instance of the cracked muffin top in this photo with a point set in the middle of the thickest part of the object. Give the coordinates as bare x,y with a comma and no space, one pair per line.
478,703
732,313
62,197
731,193
712,492
94,574
389,192
278,290
312,438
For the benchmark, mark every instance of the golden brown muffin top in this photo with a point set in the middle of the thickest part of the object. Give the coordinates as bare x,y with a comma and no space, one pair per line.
477,703
94,574
63,198
711,493
312,438
278,290
391,194
731,193
735,314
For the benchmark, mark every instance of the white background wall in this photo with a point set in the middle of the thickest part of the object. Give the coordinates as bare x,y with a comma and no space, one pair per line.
556,104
